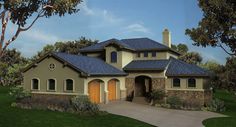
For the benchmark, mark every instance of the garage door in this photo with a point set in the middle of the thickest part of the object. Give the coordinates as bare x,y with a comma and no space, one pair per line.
94,91
112,90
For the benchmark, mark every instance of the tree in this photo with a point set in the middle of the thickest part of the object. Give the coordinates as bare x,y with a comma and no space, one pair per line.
230,73
10,65
191,58
21,12
71,47
217,28
182,48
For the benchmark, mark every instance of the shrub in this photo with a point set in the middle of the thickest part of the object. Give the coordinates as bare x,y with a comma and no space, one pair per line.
19,93
217,105
157,95
174,102
82,104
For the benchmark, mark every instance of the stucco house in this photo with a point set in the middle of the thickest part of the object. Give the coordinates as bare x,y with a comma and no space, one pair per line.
117,70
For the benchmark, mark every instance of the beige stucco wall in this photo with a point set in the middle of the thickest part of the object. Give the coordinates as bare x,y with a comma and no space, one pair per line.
159,55
110,49
60,74
92,54
184,84
149,74
126,57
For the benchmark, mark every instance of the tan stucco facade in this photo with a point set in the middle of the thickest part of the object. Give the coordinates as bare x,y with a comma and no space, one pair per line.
60,74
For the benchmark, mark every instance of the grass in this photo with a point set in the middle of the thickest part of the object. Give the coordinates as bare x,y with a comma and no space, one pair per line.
230,102
15,117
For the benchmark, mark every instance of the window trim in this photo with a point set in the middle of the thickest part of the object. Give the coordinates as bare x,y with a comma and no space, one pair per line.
145,53
38,84
65,85
194,84
55,85
179,83
111,60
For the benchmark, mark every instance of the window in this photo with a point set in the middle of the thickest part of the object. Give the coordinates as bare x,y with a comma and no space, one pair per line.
191,82
51,85
145,54
69,85
52,66
176,82
35,84
138,54
154,54
113,57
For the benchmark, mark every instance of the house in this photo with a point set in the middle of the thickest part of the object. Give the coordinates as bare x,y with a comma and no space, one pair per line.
117,70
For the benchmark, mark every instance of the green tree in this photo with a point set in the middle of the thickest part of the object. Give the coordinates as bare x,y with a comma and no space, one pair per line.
27,12
10,65
217,27
191,57
182,48
71,47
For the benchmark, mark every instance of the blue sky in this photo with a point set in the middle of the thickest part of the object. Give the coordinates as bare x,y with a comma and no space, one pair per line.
105,19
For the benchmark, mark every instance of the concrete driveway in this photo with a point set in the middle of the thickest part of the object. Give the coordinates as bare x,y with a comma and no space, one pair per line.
160,117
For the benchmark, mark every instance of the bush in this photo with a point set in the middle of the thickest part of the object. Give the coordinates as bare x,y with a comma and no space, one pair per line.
174,102
19,93
82,104
157,95
217,105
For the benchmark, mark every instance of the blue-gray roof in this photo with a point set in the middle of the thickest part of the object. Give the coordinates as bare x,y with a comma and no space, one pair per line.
180,68
147,65
135,44
173,67
89,65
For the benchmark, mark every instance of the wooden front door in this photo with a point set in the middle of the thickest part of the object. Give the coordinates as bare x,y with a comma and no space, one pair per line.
112,90
94,91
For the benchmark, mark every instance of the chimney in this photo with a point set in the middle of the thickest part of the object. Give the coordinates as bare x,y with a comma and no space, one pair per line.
166,37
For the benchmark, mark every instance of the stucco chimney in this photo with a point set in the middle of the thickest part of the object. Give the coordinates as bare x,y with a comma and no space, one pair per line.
166,37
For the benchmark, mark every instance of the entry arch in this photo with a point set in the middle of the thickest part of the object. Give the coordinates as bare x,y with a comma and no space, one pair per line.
143,86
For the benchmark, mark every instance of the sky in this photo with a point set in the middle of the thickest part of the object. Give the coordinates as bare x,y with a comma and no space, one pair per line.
106,19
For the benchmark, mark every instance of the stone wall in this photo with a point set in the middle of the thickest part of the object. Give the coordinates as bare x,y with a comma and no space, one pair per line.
52,96
129,84
190,97
158,83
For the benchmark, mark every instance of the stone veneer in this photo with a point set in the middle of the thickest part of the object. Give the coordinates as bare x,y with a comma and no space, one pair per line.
158,83
52,96
192,97
129,84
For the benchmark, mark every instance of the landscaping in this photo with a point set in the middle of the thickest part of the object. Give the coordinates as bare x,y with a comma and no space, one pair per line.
16,117
230,102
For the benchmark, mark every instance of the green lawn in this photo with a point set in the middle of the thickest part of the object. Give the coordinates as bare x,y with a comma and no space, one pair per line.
15,117
230,101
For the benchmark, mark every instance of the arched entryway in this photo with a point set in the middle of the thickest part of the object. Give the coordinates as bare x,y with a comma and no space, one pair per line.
112,89
143,86
94,90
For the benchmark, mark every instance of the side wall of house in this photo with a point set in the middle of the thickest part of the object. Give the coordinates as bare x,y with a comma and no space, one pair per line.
60,74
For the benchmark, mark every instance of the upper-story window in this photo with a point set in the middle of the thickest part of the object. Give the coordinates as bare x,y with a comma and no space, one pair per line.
191,82
145,54
154,53
138,54
113,57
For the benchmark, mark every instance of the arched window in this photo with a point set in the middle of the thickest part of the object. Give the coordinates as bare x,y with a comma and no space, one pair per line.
51,85
35,84
69,86
176,82
113,57
191,82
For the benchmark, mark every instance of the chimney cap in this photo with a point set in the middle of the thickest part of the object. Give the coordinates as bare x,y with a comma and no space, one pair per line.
166,29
